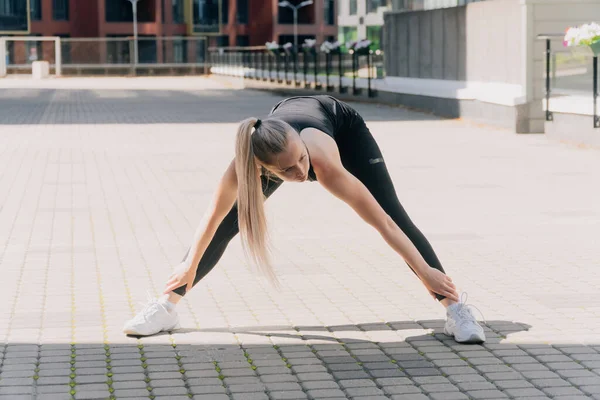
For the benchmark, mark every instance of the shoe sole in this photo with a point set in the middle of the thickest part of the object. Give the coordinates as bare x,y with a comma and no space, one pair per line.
474,339
133,333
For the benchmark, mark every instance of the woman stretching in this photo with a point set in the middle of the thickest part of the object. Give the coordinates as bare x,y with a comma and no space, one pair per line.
314,138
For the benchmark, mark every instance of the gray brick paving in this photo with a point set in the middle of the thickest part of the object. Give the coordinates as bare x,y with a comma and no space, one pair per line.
103,186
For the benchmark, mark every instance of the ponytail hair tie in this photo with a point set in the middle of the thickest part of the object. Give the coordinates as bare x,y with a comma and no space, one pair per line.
257,124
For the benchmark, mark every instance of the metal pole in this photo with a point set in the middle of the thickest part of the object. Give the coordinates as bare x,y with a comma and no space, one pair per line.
296,67
295,28
57,57
353,73
327,58
596,117
3,57
341,88
135,32
368,73
548,56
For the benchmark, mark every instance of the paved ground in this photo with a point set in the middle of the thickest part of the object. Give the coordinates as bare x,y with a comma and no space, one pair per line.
101,189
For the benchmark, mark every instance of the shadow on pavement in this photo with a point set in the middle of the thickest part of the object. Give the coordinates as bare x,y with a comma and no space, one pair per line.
303,362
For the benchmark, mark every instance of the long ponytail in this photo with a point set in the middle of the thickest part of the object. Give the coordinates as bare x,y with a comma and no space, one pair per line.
250,202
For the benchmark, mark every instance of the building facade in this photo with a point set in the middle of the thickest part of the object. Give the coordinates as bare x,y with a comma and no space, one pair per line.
225,22
361,19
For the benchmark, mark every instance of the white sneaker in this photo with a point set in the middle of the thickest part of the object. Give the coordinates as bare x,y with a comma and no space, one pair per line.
462,325
153,318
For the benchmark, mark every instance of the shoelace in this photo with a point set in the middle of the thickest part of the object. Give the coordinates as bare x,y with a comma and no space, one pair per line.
464,311
149,307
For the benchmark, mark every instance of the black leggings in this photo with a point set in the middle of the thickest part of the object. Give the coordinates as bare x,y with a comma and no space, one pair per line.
361,156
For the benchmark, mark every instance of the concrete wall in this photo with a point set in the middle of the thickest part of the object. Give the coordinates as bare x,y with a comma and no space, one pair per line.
479,42
544,17
464,54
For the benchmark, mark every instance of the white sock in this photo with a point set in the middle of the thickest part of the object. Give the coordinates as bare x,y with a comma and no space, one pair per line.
164,300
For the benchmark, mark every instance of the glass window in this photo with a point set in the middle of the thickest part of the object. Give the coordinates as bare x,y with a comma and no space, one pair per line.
35,9
242,40
348,34
122,11
60,10
353,7
242,11
13,15
329,12
206,16
224,11
178,11
374,35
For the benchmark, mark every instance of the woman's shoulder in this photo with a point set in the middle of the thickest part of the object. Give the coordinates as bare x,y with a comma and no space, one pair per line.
322,148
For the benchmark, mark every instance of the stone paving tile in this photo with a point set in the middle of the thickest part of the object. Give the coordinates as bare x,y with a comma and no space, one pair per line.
115,178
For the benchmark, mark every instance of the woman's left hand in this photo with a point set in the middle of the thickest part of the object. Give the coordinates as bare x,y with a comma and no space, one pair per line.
437,282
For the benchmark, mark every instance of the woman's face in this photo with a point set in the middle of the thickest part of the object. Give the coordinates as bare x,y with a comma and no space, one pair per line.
292,164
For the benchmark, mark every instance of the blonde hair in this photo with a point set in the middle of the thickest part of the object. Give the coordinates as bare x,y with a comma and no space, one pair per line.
263,143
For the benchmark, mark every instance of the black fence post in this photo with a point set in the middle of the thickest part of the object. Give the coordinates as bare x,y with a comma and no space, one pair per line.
341,88
270,58
277,59
549,116
286,61
306,84
316,59
327,60
370,91
354,72
296,82
595,85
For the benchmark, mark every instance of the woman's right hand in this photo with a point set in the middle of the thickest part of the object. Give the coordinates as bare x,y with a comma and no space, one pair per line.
437,282
183,274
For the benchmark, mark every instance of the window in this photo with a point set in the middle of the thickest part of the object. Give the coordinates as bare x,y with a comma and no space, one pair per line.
348,34
201,51
13,15
121,11
60,10
65,48
180,50
242,40
329,13
206,16
178,11
353,7
242,12
374,35
224,11
35,9
147,49
223,41
373,5
117,51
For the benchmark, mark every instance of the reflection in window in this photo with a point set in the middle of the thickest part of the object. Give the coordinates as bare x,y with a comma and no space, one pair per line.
206,15
35,9
329,12
242,11
13,15
60,10
178,11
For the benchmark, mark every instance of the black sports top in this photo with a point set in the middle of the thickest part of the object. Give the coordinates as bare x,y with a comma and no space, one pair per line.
321,112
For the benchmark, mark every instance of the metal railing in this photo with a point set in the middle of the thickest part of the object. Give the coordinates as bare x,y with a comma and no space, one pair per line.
111,55
567,72
337,71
